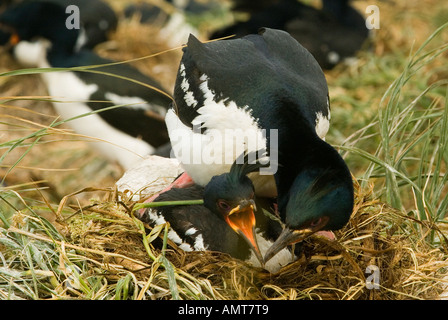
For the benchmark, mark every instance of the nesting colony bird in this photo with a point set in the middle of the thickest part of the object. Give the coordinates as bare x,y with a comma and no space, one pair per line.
168,17
267,92
230,221
332,34
98,18
38,36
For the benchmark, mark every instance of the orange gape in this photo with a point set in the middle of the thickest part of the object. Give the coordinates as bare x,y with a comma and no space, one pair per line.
14,39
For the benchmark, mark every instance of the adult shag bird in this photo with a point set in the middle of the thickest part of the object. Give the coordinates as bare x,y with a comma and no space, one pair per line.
333,33
97,17
38,36
263,91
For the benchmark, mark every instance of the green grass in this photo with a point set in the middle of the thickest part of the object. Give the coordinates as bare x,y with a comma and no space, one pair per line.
404,147
38,262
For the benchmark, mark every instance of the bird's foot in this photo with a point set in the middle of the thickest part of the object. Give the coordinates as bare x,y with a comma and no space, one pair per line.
329,235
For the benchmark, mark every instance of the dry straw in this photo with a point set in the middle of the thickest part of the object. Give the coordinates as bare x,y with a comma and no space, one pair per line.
376,235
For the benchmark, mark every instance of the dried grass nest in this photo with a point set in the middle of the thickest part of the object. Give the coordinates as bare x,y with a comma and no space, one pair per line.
105,234
376,235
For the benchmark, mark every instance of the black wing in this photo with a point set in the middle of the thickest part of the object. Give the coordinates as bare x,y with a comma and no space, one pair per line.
263,71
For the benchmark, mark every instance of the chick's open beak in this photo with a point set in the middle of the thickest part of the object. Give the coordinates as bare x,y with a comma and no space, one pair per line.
242,220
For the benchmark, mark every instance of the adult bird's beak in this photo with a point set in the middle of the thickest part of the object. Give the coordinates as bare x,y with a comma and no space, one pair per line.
286,238
242,220
291,236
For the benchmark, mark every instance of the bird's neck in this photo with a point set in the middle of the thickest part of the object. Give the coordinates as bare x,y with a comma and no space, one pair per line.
300,153
60,56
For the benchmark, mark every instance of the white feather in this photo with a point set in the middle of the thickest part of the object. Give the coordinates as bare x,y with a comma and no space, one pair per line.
111,142
157,219
135,103
230,130
281,259
199,243
191,231
322,125
185,86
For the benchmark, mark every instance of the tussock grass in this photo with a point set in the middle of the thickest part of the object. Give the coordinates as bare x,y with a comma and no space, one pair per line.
66,233
410,158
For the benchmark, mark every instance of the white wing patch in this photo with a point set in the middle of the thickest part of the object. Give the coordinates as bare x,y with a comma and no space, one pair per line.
229,131
322,125
185,86
191,231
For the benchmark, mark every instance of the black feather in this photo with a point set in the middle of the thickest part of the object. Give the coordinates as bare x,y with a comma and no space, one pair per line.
244,164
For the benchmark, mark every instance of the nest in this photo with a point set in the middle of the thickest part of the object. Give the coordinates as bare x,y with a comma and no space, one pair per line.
115,245
376,238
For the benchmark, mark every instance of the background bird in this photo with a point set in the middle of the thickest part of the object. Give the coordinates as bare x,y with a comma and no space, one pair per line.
123,134
170,16
333,34
97,17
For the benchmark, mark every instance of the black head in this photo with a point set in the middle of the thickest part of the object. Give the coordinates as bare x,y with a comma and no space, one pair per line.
231,196
97,18
320,198
345,14
29,20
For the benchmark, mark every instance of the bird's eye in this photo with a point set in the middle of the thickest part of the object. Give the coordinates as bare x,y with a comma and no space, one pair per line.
223,205
316,222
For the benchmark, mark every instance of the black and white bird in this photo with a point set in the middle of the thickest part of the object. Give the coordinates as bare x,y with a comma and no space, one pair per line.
152,12
231,220
97,17
333,34
39,38
262,92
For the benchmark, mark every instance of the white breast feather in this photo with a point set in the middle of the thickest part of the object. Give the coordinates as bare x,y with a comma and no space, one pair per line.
281,259
322,125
